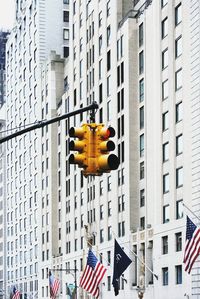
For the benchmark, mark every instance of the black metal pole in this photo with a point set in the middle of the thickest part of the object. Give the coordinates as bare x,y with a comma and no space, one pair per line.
44,123
75,281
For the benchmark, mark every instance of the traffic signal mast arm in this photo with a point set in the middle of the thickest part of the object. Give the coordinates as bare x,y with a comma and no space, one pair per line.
44,123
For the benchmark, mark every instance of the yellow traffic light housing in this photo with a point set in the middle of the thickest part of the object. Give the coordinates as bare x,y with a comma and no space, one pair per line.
93,147
80,145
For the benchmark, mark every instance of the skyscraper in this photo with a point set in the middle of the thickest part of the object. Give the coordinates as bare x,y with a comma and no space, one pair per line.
3,40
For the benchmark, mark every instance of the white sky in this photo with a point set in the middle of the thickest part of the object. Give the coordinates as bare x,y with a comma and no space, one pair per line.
7,8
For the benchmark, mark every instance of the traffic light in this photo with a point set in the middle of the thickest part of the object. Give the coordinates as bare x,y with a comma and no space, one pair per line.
106,161
80,145
93,147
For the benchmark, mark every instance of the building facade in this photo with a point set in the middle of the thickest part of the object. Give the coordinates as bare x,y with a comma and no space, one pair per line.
3,40
138,60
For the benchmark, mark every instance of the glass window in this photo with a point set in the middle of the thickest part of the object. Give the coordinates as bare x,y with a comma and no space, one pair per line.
166,183
166,214
142,223
178,79
178,270
163,3
108,8
100,18
179,112
178,14
142,117
178,237
165,245
141,90
165,90
179,177
179,144
165,151
164,28
178,46
142,145
100,44
141,62
142,198
141,34
164,58
65,16
165,276
165,121
141,170
108,35
179,209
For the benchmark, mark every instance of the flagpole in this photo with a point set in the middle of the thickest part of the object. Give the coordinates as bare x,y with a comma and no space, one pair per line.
190,211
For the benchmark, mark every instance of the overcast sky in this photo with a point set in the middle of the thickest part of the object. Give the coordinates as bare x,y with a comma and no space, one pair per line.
7,8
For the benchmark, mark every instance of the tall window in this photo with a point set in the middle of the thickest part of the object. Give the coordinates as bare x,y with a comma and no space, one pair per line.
179,209
141,170
165,213
179,111
142,145
142,117
165,151
141,62
179,177
165,276
141,34
164,28
165,90
166,183
178,46
165,121
164,58
163,3
178,237
165,245
178,270
178,14
142,198
179,144
178,79
141,90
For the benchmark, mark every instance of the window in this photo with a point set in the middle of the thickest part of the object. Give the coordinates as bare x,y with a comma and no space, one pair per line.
165,245
101,236
179,177
65,16
66,52
166,214
142,145
142,198
108,86
165,90
141,90
179,112
109,208
108,35
178,14
141,34
178,79
100,44
164,58
108,60
141,62
179,144
178,270
66,34
165,121
142,117
108,8
166,183
178,237
179,209
178,47
109,183
163,3
164,28
100,18
165,151
165,276
141,170
142,223
109,233
109,283
101,212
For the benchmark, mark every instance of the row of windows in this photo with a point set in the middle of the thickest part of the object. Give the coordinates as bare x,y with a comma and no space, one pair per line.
177,21
178,275
178,243
179,179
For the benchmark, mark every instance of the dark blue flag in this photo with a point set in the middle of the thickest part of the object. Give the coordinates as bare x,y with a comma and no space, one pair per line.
121,262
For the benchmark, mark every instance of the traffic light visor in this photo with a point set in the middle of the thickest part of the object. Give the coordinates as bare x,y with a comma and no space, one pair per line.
76,132
108,162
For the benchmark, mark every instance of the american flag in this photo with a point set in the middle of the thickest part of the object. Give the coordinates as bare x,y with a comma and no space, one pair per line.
15,293
192,246
54,285
92,275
